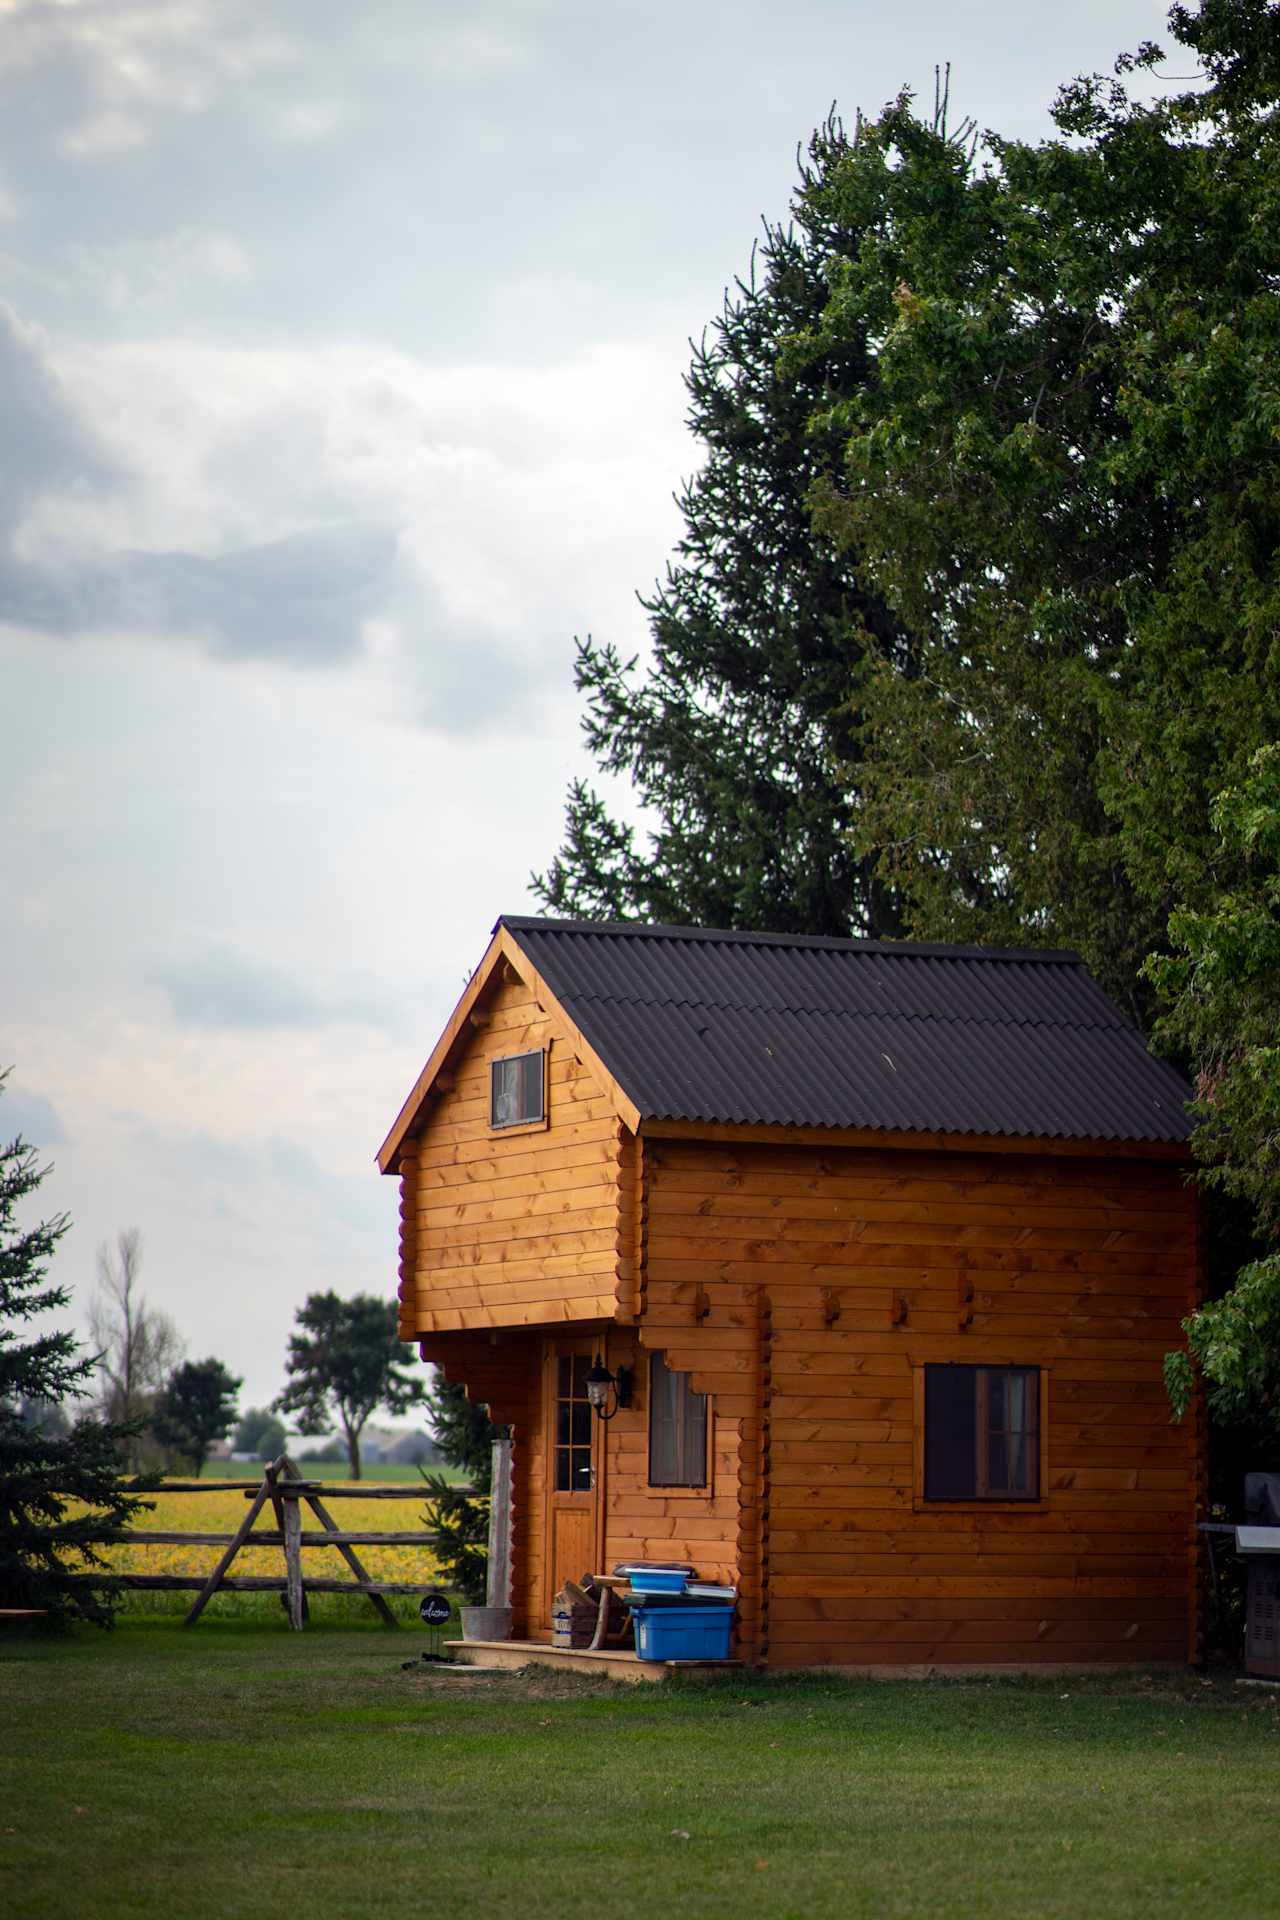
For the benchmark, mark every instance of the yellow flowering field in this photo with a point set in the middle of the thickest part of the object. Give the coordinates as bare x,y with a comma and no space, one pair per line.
222,1510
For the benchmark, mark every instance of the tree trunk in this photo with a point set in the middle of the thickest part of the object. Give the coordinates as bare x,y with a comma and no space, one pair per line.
353,1450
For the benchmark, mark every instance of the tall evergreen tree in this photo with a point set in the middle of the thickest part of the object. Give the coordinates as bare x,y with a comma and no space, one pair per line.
740,737
61,1496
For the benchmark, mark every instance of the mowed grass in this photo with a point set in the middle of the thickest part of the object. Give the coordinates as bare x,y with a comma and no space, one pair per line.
241,1770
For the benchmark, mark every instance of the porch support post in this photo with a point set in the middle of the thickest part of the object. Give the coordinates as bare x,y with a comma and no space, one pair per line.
498,1590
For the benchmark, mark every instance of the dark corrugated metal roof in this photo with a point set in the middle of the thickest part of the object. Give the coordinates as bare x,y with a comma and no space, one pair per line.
782,1029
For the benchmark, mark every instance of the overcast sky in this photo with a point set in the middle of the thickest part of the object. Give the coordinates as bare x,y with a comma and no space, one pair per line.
340,359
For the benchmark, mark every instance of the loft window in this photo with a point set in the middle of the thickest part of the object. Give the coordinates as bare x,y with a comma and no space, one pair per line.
677,1429
981,1433
516,1089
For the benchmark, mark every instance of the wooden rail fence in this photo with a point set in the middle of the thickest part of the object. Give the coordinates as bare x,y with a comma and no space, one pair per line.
284,1488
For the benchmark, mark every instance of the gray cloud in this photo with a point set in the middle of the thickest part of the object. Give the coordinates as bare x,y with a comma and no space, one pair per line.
31,1115
49,448
300,599
221,989
441,514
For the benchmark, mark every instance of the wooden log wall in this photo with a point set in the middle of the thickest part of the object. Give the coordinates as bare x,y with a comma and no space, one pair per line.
698,1525
804,1287
520,1227
506,1377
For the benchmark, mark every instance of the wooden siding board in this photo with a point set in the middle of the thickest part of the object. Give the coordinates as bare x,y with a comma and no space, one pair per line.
515,1229
1078,1265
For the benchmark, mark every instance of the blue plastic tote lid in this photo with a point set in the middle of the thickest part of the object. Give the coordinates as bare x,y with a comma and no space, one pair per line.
656,1566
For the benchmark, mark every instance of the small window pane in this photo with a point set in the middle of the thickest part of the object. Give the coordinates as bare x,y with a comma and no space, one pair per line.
531,1086
677,1429
950,1432
693,1447
564,1470
581,1428
982,1433
506,1093
515,1089
997,1463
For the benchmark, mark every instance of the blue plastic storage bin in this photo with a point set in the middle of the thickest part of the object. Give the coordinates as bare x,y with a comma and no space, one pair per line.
682,1633
656,1579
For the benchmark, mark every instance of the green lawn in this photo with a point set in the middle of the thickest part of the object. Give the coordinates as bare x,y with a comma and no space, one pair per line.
242,1770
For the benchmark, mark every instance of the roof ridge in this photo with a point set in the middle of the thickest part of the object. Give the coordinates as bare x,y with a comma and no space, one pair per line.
899,949
1116,1025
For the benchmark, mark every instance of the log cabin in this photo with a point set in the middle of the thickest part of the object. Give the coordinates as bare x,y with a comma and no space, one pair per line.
882,1244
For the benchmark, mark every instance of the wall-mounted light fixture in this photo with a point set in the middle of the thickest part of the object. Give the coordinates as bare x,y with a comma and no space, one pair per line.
602,1385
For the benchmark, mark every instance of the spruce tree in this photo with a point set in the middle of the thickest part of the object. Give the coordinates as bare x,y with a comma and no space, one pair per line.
741,736
61,1497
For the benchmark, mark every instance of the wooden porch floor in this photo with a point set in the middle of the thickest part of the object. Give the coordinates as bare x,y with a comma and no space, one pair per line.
616,1663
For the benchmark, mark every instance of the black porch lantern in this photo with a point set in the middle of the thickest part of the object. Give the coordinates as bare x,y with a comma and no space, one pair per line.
601,1384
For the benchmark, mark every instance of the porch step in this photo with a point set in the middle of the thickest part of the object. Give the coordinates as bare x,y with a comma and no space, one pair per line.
614,1662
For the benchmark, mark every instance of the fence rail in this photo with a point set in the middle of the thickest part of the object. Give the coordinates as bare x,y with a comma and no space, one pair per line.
284,1489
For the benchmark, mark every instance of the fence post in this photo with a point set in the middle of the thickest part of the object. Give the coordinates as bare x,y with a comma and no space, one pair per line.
498,1589
293,1562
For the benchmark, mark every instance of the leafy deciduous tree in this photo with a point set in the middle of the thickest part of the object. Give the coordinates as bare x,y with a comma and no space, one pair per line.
1062,476
1224,990
197,1407
346,1356
260,1432
138,1343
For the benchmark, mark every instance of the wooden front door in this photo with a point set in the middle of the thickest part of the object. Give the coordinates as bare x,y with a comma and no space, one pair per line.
573,1467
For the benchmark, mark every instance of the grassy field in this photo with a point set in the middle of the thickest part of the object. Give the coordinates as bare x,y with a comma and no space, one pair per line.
244,1771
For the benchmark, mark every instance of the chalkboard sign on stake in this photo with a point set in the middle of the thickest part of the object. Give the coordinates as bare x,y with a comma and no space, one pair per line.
434,1611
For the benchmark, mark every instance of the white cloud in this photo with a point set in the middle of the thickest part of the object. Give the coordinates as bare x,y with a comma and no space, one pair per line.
145,274
306,122
278,503
104,133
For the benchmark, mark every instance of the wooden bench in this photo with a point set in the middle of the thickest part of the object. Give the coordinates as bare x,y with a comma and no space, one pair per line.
608,1583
